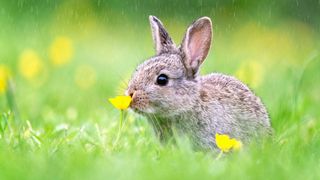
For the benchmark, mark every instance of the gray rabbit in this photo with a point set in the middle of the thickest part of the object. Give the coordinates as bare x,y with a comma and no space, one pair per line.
169,92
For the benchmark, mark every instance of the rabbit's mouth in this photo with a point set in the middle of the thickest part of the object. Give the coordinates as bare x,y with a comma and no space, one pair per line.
142,110
140,102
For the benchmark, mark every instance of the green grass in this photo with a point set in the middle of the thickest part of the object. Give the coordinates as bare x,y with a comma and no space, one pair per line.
53,128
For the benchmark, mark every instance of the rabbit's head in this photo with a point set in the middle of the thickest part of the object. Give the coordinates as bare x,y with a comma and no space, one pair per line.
166,84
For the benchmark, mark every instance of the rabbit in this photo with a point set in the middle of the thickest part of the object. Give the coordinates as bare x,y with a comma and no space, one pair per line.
168,90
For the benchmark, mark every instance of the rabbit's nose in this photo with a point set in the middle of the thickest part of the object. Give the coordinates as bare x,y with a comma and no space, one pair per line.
130,92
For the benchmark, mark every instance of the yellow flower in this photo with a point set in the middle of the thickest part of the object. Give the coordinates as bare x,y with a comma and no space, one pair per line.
61,51
30,64
121,102
237,145
225,143
4,75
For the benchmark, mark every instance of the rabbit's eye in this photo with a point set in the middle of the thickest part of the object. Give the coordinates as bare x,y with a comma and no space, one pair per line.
162,80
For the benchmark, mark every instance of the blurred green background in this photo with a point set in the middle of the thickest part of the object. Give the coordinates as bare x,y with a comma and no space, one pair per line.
64,58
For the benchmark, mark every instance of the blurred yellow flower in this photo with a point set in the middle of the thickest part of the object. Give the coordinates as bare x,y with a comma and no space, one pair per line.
85,76
225,143
4,76
30,64
61,51
121,102
251,72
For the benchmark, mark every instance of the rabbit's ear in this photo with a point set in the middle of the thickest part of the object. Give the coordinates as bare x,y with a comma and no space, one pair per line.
196,44
161,38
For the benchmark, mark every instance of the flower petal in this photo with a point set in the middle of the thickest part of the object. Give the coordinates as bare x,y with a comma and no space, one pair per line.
224,142
121,102
237,145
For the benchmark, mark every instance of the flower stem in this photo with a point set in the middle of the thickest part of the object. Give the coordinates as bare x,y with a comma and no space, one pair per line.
219,155
121,120
12,101
119,131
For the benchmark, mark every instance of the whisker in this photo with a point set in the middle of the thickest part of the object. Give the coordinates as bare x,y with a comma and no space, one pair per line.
157,121
122,86
152,122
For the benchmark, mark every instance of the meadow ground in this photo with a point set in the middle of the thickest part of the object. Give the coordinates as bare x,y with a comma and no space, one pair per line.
56,122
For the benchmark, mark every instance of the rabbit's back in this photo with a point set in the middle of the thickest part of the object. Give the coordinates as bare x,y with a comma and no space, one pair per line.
230,107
